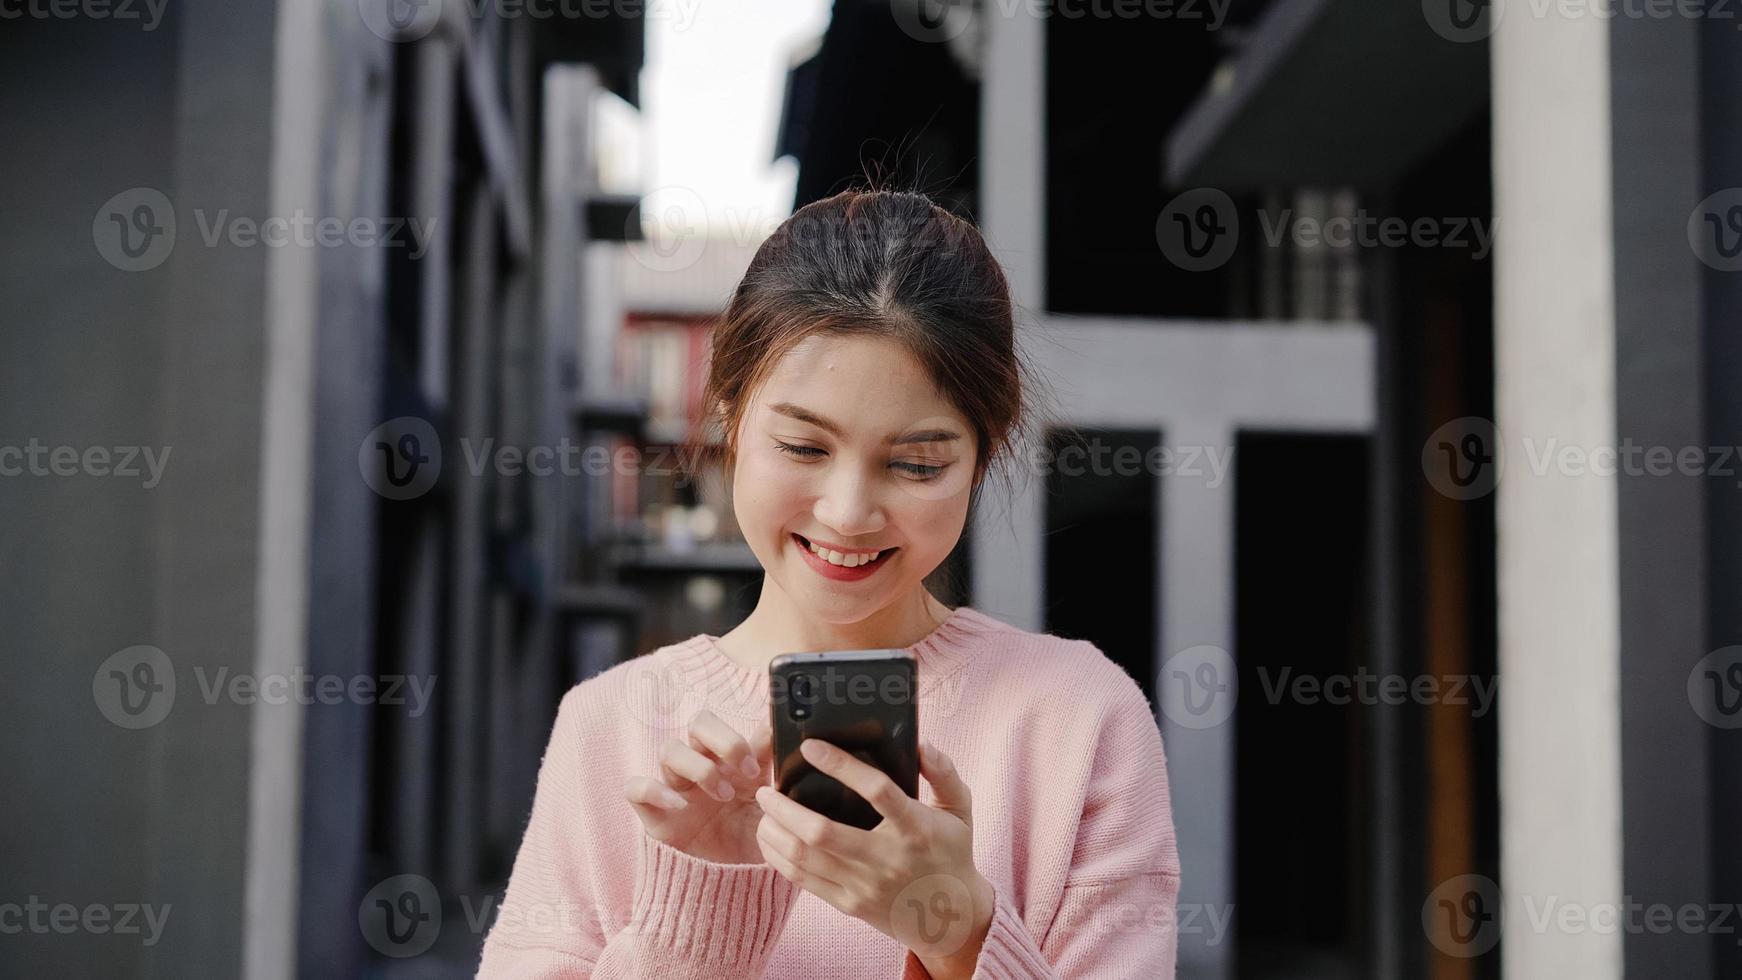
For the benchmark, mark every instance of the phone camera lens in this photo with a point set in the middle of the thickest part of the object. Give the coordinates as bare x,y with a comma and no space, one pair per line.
802,697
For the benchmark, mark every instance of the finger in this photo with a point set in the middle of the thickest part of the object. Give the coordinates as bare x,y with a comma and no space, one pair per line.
817,885
643,791
709,733
808,857
683,768
762,743
953,794
867,780
811,827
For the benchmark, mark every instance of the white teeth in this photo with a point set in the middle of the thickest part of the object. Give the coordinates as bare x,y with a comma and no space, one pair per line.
853,560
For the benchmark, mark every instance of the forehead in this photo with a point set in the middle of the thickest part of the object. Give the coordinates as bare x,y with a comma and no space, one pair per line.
863,383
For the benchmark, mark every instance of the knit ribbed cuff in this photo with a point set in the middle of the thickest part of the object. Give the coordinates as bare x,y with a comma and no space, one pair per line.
1010,952
689,910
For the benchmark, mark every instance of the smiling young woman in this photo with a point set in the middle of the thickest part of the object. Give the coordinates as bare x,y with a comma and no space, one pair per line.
866,382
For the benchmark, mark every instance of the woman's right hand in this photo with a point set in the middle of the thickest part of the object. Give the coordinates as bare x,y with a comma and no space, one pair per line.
703,802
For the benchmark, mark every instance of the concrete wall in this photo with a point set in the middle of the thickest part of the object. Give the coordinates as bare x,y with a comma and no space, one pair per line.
174,359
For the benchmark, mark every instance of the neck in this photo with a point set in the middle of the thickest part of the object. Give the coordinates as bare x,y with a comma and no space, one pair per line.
777,625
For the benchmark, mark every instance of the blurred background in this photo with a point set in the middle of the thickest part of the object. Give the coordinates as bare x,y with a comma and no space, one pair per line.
352,351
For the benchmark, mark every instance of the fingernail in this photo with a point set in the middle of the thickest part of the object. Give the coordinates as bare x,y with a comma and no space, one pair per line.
750,766
673,800
725,792
815,751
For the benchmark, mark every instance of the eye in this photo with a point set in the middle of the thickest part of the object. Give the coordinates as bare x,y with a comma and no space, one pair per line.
802,452
922,471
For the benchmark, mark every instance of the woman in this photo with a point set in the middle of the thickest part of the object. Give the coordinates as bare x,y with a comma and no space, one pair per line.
866,381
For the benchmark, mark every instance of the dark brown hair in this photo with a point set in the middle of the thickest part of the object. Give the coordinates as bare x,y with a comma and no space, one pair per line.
883,263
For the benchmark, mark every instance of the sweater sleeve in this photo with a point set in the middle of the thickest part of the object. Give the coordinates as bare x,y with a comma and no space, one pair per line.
1117,916
690,919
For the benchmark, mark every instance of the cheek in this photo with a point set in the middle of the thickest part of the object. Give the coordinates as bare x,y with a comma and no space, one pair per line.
931,527
765,493
939,524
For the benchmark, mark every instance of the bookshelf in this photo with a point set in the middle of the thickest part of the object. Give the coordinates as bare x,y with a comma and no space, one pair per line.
660,555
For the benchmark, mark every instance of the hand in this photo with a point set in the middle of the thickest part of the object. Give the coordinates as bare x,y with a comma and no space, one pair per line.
912,877
703,801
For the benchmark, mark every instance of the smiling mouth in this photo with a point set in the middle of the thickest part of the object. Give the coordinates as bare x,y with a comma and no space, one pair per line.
835,559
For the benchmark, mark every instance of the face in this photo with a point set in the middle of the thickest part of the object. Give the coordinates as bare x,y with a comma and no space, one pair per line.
848,447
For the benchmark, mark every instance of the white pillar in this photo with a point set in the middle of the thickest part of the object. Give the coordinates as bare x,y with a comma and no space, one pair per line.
1196,623
1554,343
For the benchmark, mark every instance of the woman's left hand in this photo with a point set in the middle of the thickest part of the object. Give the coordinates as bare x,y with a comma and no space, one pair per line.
912,877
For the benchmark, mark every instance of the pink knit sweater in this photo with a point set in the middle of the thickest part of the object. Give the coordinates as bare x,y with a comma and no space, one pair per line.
1072,826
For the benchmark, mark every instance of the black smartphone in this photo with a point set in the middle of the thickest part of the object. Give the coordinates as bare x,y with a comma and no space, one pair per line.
861,701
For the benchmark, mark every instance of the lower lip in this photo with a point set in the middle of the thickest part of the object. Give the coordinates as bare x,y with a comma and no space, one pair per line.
838,573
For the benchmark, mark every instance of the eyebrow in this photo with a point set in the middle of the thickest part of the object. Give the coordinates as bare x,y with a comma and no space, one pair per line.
906,438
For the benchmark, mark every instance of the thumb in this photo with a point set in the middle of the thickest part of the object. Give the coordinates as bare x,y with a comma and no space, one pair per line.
953,795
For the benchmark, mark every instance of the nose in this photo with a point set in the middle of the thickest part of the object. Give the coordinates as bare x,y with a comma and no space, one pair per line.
848,505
